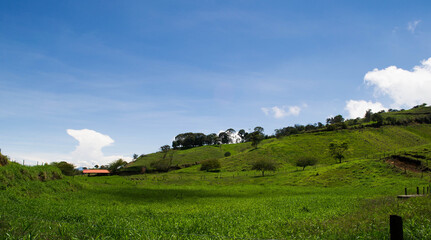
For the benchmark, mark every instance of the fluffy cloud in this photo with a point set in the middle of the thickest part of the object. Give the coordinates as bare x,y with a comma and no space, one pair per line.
412,25
281,112
358,108
405,88
89,150
87,153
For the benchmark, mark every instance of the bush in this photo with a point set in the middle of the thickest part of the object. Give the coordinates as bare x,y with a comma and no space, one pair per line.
264,165
66,168
305,161
115,166
162,165
4,160
227,154
211,165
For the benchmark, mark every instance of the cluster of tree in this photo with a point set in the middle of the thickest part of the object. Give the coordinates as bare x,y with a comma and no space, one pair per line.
190,140
370,119
298,128
4,160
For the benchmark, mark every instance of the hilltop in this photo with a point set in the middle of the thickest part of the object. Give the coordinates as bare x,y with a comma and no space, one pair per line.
398,131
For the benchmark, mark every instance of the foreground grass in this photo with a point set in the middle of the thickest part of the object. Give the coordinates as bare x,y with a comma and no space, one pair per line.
344,201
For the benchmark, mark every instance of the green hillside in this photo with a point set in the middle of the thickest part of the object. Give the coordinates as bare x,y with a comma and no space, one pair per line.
363,143
348,200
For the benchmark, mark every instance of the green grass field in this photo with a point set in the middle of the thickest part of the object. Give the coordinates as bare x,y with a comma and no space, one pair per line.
343,201
348,200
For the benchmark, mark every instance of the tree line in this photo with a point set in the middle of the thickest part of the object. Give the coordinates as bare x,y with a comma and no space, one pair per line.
191,140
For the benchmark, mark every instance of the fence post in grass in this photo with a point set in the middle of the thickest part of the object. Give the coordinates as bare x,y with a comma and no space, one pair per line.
417,190
405,191
396,227
423,190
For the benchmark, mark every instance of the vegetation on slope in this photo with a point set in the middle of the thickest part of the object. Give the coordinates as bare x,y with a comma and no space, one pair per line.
15,174
363,143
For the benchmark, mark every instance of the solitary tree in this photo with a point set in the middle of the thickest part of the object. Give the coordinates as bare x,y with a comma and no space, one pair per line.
305,161
135,156
165,149
264,165
255,138
165,163
337,150
259,129
368,115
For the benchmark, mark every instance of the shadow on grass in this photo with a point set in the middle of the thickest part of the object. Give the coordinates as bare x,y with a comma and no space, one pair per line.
129,194
260,176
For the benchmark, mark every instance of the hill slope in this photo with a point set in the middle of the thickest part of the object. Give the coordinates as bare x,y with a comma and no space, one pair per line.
363,143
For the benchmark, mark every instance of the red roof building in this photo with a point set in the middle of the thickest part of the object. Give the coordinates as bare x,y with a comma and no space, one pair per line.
95,171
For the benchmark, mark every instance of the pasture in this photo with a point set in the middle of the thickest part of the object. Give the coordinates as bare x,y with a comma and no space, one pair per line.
342,201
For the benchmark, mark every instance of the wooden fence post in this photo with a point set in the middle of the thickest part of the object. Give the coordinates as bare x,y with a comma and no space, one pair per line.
405,191
417,190
396,227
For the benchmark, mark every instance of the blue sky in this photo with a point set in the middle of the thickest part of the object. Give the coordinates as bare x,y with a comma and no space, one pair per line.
140,72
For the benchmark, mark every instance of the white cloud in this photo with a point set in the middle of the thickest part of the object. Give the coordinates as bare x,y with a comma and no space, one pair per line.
87,154
89,151
411,26
405,88
281,112
358,108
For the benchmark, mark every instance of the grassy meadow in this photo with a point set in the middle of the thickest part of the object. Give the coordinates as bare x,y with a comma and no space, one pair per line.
348,200
341,201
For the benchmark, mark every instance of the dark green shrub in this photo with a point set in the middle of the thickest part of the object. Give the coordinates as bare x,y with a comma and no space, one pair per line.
211,165
227,154
66,168
3,160
115,166
305,161
162,165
